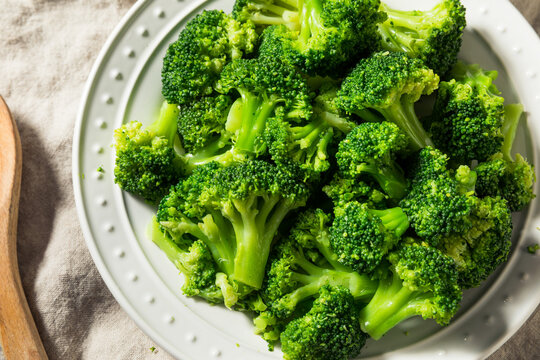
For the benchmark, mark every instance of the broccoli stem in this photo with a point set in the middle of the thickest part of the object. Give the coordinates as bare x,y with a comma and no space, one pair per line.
389,178
512,115
360,286
165,243
255,111
255,230
166,124
403,115
310,21
336,121
393,219
391,304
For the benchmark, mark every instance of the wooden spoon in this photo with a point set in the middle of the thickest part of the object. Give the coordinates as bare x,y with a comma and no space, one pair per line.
20,338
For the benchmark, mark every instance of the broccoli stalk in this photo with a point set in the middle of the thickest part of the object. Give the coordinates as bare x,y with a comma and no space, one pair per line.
268,12
512,115
389,84
146,163
422,281
433,35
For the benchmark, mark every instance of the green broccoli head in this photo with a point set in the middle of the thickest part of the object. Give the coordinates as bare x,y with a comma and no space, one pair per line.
342,190
480,250
300,265
468,115
309,144
422,281
202,123
389,84
435,203
361,237
511,180
370,149
146,163
193,63
235,211
330,330
266,88
318,36
433,36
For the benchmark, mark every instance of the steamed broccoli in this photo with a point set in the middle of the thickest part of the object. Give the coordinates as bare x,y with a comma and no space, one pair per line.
301,264
329,331
481,249
370,149
361,237
433,36
342,190
235,211
437,204
503,176
266,88
318,36
421,281
468,115
193,62
147,164
309,144
389,84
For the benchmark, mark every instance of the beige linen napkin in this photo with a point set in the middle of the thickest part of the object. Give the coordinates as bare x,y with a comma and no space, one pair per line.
46,51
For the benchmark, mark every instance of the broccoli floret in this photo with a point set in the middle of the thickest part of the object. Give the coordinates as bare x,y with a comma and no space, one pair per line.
433,36
436,203
389,84
309,144
481,249
361,237
235,211
421,281
193,63
196,263
301,264
318,36
147,164
329,331
502,175
343,190
370,149
468,115
266,87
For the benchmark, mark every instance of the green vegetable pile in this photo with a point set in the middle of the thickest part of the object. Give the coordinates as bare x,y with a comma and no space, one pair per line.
295,180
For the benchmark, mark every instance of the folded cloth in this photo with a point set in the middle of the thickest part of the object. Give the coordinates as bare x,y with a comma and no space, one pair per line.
46,51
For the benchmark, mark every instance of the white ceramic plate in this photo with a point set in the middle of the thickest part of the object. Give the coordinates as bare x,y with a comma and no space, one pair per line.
125,85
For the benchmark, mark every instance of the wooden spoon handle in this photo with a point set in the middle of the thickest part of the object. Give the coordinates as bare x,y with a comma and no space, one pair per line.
20,338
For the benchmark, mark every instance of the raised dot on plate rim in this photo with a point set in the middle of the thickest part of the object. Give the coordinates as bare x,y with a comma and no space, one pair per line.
133,277
116,74
141,30
158,12
120,253
169,319
150,299
524,276
517,49
109,227
483,10
531,74
100,123
107,99
501,29
98,175
215,352
441,352
489,319
129,52
190,337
